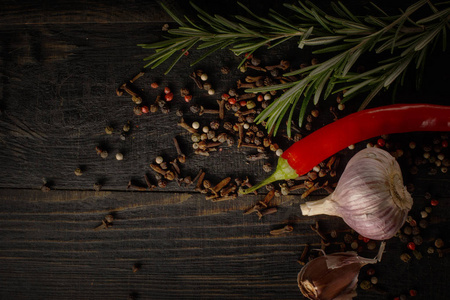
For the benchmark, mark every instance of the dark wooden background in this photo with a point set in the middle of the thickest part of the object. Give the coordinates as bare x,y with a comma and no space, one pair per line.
60,64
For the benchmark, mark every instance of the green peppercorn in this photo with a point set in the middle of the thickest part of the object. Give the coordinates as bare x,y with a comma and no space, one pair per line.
365,284
405,257
78,172
109,130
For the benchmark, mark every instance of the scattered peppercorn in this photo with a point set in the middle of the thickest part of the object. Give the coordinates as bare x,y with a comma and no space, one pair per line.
109,130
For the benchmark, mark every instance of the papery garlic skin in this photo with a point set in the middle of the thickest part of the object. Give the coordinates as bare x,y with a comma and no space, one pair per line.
370,196
332,276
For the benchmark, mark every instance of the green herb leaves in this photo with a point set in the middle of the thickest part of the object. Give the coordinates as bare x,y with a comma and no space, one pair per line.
343,36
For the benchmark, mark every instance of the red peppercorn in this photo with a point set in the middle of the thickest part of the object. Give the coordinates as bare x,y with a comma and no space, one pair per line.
166,90
366,240
225,96
248,55
411,246
397,298
169,96
232,100
260,98
243,103
381,142
434,202
154,85
145,109
444,143
188,98
185,53
371,271
413,293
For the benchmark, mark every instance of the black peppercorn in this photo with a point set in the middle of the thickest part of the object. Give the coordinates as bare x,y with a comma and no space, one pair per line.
165,109
250,119
225,70
195,108
162,183
270,187
179,113
214,125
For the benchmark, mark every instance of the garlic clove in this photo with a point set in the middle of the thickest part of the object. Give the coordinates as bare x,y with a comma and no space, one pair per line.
317,281
333,276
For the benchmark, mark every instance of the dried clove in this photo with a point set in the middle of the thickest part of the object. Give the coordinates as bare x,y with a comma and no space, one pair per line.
181,157
135,187
316,230
106,222
268,211
302,259
284,230
255,157
197,81
139,75
221,185
184,125
147,181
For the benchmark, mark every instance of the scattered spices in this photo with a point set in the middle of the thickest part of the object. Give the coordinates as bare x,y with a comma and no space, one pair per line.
106,222
137,76
109,130
132,186
358,126
281,231
136,267
97,186
303,256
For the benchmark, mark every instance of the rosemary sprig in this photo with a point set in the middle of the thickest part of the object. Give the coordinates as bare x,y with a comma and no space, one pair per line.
342,35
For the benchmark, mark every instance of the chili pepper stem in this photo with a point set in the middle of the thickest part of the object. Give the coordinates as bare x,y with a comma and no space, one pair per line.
283,172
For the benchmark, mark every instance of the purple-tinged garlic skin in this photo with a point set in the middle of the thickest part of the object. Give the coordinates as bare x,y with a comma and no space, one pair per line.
334,276
370,196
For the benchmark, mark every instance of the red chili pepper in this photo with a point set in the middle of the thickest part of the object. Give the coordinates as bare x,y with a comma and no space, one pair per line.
308,152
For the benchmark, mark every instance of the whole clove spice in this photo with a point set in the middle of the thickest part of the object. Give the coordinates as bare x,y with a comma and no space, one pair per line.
284,230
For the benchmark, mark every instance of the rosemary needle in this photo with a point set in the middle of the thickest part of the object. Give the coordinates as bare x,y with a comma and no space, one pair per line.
344,36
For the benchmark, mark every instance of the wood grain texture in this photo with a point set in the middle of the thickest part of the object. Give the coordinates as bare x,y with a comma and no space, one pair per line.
187,248
76,12
59,67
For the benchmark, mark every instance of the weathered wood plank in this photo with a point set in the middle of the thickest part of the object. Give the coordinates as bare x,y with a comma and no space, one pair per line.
58,98
187,247
59,68
77,12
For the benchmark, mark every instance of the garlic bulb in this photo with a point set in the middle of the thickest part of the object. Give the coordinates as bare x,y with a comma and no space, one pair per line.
370,196
333,276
